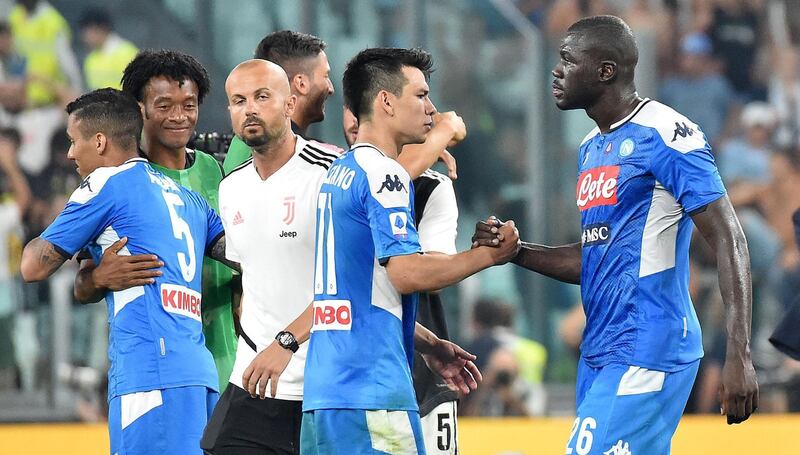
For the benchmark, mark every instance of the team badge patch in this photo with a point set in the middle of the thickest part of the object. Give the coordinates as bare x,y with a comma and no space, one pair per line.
626,148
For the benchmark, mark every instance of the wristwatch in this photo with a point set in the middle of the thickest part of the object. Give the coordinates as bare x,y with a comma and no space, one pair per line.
287,341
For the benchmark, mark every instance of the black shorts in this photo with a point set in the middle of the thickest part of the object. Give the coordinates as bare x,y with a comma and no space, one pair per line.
252,426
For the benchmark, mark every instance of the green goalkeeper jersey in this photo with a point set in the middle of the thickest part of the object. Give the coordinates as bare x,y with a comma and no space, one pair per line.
238,153
202,176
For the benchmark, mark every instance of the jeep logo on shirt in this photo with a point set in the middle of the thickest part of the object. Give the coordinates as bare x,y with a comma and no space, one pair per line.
597,186
595,234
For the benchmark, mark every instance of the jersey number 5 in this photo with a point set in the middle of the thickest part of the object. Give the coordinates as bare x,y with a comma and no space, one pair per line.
325,283
180,229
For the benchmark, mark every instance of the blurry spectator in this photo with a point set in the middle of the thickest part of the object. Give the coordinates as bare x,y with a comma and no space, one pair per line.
53,186
744,161
110,53
13,203
654,28
12,74
784,94
503,392
513,366
563,13
783,200
43,37
733,27
698,90
485,314
570,329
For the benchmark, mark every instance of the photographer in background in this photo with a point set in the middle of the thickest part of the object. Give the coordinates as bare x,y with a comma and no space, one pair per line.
513,368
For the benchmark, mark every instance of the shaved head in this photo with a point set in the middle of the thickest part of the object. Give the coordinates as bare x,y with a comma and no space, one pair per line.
260,102
608,38
271,74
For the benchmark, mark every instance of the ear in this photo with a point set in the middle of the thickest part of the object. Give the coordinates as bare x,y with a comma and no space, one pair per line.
141,108
301,84
291,104
607,71
385,102
100,143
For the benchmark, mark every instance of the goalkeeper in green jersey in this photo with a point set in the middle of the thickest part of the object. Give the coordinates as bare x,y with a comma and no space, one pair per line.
170,86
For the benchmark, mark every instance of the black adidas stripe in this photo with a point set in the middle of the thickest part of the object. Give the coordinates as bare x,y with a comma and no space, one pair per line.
326,165
316,156
330,155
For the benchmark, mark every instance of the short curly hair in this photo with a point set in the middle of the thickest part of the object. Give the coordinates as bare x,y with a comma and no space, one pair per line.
172,64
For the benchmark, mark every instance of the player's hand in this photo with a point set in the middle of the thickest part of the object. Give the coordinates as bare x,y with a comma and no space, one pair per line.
738,393
510,245
449,161
507,236
117,272
266,367
487,233
454,365
454,125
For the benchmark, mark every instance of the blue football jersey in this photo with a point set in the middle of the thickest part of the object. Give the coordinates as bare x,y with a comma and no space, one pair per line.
638,184
155,335
361,345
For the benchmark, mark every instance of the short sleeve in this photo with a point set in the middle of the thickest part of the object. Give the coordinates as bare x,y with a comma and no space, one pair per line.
215,229
687,170
226,218
87,213
388,203
438,224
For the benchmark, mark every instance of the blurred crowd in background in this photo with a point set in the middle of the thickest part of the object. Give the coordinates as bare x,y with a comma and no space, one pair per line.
732,66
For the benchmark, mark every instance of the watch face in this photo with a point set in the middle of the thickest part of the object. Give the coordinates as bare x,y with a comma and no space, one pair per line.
285,339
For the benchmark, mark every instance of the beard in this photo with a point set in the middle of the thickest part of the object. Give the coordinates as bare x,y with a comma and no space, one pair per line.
316,108
255,140
258,140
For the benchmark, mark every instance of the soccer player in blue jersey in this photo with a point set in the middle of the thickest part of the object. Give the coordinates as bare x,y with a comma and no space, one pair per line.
646,177
162,384
359,396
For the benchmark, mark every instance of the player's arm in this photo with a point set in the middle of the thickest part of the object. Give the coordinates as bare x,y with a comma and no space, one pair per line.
448,130
217,252
115,273
720,227
560,262
428,272
448,360
40,259
270,363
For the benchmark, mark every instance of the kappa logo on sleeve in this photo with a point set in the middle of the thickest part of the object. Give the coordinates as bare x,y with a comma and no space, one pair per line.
86,183
392,183
399,221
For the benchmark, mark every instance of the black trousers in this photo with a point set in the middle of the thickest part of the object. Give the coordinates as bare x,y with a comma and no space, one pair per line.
252,426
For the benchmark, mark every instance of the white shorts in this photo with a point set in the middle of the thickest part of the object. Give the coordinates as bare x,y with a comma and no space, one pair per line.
439,429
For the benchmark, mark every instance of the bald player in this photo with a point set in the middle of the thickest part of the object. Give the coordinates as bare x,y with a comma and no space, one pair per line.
268,207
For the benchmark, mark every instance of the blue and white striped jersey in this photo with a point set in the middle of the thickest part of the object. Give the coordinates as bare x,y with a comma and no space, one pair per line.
155,336
637,186
361,346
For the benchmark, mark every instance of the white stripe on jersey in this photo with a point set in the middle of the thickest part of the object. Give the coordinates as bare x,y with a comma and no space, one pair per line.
384,295
660,235
125,296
